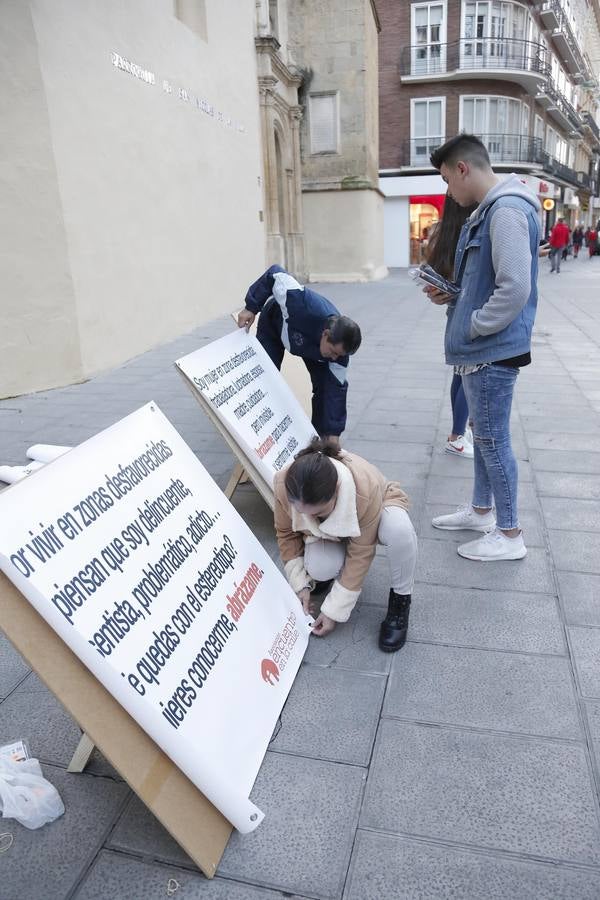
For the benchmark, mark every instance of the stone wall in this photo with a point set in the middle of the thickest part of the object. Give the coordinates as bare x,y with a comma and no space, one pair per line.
334,44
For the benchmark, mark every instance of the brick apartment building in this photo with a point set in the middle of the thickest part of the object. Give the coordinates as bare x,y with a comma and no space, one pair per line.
520,75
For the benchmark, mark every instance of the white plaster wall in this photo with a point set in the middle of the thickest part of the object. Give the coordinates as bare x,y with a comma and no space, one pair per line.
160,202
396,231
38,314
397,186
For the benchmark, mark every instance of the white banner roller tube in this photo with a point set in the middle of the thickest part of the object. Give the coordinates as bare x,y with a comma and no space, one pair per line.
130,551
12,474
244,388
46,453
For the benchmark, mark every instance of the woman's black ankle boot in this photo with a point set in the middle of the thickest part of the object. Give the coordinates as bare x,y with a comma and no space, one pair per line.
392,634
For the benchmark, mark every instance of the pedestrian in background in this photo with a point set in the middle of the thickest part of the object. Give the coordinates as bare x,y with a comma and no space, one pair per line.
577,240
558,240
591,239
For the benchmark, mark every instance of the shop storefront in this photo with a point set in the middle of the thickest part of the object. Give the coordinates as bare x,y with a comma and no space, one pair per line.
412,205
424,210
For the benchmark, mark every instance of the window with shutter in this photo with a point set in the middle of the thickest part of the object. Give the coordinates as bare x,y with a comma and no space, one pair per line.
324,123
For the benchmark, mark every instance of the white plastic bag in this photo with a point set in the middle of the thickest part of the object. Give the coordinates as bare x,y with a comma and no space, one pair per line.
25,795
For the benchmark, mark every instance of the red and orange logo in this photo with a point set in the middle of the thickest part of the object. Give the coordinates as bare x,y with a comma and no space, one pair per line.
269,671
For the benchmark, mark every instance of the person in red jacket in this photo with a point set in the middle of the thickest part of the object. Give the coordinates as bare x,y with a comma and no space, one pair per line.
559,239
591,237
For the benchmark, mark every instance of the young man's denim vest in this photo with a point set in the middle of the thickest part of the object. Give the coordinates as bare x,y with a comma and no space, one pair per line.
474,272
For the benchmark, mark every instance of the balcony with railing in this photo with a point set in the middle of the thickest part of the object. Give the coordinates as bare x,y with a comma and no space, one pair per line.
509,149
556,20
558,107
590,123
587,182
550,14
554,167
505,150
506,59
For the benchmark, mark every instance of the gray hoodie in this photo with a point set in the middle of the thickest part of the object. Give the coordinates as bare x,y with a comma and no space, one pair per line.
511,258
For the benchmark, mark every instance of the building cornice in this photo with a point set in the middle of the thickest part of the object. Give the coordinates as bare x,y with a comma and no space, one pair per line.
312,187
269,46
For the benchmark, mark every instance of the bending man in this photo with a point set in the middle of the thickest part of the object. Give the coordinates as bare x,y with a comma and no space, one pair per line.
304,323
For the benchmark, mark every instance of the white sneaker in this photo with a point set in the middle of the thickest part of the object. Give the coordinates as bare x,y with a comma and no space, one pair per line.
494,545
468,435
460,447
465,517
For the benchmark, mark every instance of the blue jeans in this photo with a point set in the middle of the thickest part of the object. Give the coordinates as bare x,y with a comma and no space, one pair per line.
489,394
460,410
555,258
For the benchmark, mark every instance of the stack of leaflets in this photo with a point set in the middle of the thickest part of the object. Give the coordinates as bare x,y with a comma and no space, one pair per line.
18,751
426,275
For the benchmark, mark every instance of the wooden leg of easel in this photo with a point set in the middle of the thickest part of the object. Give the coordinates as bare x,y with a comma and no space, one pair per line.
238,476
82,754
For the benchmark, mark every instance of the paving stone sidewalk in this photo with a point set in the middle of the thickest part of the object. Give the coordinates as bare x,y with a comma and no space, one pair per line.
466,766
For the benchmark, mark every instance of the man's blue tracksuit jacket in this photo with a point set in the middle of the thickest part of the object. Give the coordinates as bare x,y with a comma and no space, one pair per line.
292,318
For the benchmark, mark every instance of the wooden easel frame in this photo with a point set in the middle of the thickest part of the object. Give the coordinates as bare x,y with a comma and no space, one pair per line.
243,471
238,476
197,826
82,754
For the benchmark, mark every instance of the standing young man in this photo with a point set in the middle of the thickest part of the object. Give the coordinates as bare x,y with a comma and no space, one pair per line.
306,324
488,334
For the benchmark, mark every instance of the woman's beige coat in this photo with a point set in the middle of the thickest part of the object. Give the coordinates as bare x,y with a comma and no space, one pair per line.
363,491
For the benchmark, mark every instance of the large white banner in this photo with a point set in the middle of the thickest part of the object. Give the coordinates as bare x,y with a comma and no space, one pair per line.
236,376
130,551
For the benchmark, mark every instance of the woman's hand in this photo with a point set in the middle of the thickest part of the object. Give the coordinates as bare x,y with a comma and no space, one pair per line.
304,597
323,625
436,296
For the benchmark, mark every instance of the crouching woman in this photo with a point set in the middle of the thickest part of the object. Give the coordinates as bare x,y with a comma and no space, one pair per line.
332,508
